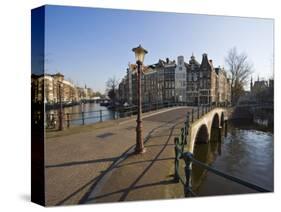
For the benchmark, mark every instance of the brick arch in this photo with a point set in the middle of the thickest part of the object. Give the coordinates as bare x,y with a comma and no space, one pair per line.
215,121
202,134
214,127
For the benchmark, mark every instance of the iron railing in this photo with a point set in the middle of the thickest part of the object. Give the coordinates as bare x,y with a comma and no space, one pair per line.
189,159
96,116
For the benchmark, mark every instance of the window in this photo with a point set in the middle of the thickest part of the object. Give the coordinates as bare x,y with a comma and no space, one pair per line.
195,77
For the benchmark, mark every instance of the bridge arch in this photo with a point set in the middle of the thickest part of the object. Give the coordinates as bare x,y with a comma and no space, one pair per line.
215,121
202,135
215,126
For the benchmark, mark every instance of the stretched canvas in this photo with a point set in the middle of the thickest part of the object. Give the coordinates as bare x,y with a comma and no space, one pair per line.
139,105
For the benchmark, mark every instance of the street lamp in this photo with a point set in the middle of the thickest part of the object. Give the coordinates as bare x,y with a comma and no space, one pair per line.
139,54
60,106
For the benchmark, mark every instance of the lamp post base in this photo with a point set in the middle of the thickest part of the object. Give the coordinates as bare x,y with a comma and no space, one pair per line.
140,151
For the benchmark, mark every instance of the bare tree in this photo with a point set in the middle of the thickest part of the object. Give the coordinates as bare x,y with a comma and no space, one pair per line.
111,87
240,70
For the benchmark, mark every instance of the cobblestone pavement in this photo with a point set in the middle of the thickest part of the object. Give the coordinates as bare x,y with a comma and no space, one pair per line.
97,165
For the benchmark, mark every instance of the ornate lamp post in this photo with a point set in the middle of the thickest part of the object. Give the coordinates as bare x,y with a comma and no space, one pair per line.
60,107
139,54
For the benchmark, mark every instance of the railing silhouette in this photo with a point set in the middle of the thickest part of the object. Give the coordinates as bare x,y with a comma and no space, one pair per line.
187,157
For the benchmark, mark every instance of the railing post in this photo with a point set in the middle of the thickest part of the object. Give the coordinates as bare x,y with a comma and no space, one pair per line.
176,176
83,119
188,169
186,128
100,115
68,120
192,112
114,114
182,136
198,111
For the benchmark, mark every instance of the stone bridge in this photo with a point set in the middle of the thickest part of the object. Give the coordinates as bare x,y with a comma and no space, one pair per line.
201,129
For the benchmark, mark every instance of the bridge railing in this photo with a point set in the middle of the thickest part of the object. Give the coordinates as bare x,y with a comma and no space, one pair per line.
95,116
187,157
201,110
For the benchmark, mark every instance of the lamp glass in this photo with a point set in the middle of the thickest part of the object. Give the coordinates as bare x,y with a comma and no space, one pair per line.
139,53
139,57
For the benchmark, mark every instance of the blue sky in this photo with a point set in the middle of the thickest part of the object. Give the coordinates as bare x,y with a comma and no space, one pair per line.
89,45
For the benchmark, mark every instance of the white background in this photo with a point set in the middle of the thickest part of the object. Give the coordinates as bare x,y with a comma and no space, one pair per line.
15,103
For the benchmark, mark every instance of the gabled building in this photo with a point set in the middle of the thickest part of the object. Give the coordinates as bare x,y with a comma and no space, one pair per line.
170,81
192,81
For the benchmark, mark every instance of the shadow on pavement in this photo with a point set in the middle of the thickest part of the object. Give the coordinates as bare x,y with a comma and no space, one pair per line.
81,162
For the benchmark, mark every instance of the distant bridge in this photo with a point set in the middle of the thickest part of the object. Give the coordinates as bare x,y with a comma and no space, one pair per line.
248,109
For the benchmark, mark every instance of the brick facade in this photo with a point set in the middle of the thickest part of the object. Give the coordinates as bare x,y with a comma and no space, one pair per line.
170,81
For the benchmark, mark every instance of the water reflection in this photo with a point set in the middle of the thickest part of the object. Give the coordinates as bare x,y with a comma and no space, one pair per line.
245,152
207,153
92,113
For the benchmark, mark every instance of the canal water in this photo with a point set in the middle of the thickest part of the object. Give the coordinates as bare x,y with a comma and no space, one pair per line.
93,113
246,152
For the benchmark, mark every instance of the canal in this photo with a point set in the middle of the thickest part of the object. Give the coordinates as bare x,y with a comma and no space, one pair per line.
246,152
93,113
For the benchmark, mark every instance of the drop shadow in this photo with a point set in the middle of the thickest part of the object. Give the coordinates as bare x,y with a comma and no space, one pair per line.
25,197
